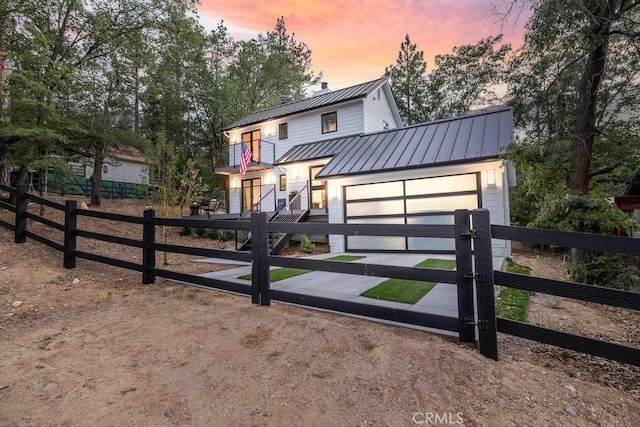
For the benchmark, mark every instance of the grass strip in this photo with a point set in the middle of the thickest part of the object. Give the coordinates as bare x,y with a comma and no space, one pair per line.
408,291
399,290
513,303
440,264
345,258
280,274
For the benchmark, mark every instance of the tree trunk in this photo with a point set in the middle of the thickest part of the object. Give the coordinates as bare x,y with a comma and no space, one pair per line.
585,127
4,166
96,181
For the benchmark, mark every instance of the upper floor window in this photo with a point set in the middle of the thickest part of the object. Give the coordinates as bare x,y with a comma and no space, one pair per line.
283,130
252,141
330,122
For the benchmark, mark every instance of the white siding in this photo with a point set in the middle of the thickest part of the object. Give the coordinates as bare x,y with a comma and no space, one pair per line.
304,128
122,171
377,112
493,198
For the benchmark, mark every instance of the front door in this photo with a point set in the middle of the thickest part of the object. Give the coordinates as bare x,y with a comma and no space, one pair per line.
318,189
251,193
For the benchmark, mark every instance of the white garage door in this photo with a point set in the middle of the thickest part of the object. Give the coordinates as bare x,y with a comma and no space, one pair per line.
416,201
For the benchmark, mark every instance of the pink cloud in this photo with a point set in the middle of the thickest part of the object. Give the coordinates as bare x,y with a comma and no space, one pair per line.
353,41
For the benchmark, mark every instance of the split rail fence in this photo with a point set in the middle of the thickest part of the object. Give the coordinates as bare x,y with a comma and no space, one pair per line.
474,277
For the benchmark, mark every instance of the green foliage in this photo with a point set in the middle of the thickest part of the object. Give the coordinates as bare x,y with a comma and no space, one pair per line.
408,82
185,231
513,303
199,231
306,245
211,233
592,215
225,235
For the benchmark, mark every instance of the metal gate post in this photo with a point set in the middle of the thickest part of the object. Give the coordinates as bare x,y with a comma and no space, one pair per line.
259,259
148,248
487,333
70,225
20,235
464,276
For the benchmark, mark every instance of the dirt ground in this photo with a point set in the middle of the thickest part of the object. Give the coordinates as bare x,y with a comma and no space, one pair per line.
93,346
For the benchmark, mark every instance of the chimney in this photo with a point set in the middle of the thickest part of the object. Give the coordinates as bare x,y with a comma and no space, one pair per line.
324,88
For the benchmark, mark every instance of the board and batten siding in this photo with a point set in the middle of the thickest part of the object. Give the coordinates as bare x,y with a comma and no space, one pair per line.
491,196
377,112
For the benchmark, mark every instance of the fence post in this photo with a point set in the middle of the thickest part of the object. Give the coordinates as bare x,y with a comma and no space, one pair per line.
259,259
487,335
70,225
21,214
464,276
148,248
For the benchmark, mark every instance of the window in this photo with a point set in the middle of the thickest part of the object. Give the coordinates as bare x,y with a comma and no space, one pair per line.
283,130
283,182
330,122
252,141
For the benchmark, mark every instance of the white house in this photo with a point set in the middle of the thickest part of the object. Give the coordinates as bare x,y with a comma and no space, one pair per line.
270,133
377,171
124,164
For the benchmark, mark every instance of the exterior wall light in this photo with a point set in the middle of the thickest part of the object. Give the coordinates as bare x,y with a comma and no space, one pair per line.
491,177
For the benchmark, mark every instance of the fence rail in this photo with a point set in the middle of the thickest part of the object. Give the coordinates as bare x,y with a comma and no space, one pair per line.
474,277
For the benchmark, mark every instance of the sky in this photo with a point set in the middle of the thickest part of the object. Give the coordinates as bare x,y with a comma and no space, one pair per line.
352,41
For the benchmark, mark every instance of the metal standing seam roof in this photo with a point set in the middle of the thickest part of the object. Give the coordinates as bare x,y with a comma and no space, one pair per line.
316,150
311,103
477,136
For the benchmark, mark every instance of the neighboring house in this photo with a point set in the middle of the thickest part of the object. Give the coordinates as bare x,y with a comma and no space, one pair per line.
124,175
417,174
124,164
629,203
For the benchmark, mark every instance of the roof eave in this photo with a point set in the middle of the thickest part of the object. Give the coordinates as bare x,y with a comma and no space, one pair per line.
449,163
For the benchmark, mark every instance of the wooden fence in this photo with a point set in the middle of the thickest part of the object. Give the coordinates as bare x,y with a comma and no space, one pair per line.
474,277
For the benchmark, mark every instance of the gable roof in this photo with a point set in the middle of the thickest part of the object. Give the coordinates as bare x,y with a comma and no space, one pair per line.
477,136
316,150
351,93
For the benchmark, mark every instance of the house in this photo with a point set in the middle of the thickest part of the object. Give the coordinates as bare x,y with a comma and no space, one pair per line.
629,203
124,175
390,175
270,133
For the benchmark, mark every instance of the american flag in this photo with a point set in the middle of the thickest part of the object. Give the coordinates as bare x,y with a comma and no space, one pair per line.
245,159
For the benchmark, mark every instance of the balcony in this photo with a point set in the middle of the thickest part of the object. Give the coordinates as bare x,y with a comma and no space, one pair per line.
263,159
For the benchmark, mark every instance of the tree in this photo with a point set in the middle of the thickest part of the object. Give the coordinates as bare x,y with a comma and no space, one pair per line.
577,79
408,83
271,67
467,78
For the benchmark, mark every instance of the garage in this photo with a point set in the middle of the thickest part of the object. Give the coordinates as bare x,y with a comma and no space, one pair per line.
413,201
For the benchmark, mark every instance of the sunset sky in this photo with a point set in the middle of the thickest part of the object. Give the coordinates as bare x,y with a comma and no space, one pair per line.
352,41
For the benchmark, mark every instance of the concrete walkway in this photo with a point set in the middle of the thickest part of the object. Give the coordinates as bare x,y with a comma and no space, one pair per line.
441,300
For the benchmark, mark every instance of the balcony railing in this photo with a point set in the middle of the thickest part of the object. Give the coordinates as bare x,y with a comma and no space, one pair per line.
264,158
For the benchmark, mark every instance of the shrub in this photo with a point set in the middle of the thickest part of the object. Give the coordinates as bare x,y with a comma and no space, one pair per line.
185,231
199,231
306,246
590,214
211,233
224,235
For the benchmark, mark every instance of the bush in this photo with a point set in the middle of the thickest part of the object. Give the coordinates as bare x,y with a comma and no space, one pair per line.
185,231
211,233
199,231
224,235
589,214
306,246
